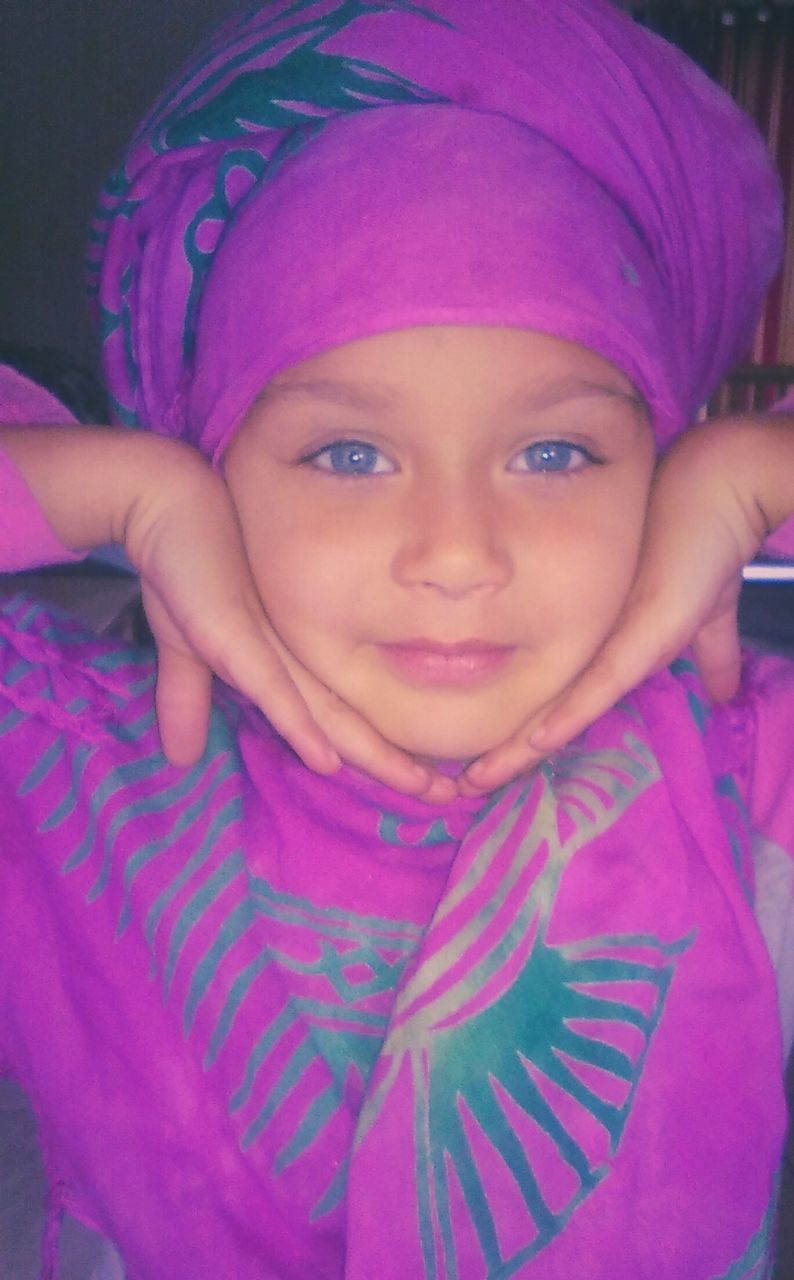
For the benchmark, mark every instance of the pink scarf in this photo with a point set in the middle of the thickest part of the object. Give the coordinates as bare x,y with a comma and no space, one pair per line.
516,162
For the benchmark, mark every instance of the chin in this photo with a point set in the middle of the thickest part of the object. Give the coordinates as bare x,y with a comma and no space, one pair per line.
448,744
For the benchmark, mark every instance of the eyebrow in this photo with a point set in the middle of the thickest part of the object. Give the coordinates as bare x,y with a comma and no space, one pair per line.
378,396
350,395
563,389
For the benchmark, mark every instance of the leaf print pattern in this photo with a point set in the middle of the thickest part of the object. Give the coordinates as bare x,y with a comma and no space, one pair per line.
520,1048
754,1263
275,109
304,85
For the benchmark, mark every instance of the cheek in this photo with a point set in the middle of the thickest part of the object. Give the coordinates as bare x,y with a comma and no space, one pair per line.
314,573
579,565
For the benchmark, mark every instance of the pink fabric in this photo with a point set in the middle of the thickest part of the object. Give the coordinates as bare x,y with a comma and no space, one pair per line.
554,166
331,986
26,538
254,1007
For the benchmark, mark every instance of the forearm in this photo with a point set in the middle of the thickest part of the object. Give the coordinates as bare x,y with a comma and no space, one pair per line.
774,467
88,480
781,542
751,458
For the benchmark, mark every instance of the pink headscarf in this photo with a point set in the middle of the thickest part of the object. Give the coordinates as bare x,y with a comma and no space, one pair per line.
328,170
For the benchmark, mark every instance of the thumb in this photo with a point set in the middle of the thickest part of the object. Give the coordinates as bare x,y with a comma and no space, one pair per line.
717,651
182,700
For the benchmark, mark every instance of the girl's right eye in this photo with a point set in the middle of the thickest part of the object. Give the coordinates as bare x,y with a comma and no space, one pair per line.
350,458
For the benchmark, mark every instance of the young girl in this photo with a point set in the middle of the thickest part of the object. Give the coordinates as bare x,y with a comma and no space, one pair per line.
428,286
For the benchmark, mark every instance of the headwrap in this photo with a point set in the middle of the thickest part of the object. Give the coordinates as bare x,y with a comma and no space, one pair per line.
328,169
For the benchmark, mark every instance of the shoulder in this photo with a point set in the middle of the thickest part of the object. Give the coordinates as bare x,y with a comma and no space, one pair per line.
748,739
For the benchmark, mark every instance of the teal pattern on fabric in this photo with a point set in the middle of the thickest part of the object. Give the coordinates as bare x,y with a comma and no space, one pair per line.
164,847
296,93
700,710
558,1049
216,210
683,667
341,968
357,963
316,29
514,1038
737,828
302,85
756,1263
435,833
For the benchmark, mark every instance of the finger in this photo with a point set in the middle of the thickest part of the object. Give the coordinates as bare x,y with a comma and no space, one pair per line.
322,729
358,742
241,652
361,746
500,766
630,654
717,652
182,702
612,673
252,665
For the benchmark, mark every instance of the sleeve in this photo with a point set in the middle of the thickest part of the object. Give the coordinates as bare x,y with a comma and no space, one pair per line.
26,539
781,542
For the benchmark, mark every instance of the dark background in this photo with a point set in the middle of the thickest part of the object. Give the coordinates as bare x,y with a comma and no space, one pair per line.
75,77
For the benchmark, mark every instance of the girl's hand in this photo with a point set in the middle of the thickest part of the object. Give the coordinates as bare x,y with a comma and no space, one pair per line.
173,514
206,617
233,639
716,496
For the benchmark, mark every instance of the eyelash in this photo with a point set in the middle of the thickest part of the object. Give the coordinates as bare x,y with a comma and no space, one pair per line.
327,451
558,447
557,452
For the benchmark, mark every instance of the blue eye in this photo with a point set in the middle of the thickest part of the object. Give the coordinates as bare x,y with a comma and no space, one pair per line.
552,457
351,458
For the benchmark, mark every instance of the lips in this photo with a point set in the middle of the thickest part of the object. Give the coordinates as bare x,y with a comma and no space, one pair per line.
467,662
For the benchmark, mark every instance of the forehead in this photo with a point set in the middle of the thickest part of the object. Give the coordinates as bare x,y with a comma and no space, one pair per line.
516,367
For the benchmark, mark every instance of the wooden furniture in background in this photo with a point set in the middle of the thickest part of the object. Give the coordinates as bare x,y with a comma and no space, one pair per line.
751,388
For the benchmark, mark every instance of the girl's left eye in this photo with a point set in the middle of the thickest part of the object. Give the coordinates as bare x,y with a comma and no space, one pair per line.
546,457
350,458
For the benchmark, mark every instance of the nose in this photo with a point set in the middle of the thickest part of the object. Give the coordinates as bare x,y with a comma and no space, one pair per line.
453,542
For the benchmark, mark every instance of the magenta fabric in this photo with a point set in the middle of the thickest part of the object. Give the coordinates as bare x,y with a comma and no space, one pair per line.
323,171
26,538
282,1027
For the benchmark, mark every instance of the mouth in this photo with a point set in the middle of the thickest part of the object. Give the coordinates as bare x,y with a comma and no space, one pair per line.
428,662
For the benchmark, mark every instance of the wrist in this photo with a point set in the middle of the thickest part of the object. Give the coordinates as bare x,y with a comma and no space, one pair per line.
87,480
750,455
761,447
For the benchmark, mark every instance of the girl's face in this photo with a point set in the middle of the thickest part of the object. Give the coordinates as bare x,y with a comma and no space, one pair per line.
443,523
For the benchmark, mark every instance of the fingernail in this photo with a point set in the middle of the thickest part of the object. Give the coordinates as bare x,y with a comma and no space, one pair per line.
477,775
331,762
420,775
467,787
